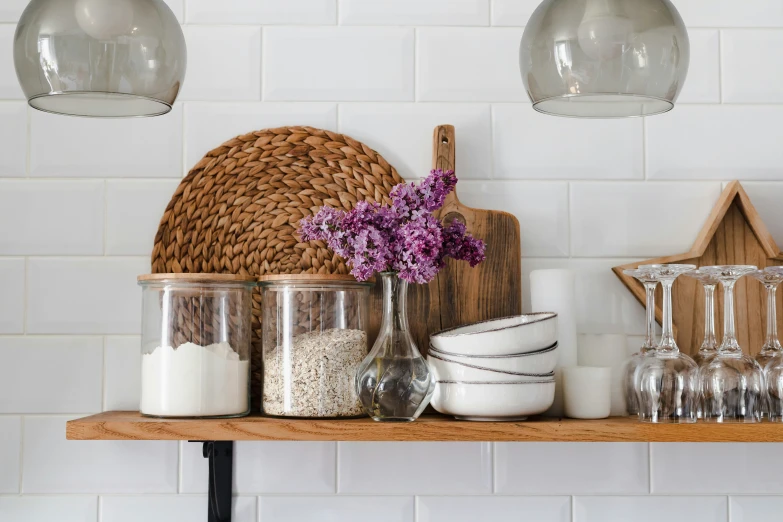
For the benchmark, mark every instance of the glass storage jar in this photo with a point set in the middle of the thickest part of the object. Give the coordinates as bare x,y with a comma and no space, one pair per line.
196,341
315,329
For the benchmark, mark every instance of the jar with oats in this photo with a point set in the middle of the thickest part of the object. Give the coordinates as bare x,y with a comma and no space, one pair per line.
315,329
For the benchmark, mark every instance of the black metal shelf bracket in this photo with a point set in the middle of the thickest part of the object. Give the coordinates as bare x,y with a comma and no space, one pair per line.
221,469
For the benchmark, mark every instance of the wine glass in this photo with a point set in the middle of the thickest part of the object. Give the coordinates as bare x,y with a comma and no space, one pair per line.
732,383
649,278
667,378
709,345
770,277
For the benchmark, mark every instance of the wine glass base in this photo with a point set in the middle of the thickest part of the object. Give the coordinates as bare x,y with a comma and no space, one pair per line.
733,420
668,392
732,390
669,420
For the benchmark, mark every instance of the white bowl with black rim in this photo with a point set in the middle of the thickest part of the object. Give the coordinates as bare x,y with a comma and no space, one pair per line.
493,401
505,336
470,369
538,362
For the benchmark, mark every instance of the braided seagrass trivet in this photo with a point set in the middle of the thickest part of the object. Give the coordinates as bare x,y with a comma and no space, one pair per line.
237,210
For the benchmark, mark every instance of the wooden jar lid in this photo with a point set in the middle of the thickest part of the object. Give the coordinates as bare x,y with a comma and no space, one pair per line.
312,278
197,278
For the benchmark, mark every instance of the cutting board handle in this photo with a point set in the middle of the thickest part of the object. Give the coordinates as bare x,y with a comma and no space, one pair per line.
444,153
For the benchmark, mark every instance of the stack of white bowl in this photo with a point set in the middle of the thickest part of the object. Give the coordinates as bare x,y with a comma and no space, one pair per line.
495,370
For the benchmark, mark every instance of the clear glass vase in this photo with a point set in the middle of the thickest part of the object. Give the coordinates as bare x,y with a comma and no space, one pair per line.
394,382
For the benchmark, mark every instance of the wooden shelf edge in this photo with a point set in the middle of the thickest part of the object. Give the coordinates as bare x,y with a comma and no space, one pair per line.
116,425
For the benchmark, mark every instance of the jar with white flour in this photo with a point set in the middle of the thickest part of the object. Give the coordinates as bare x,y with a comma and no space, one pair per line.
196,340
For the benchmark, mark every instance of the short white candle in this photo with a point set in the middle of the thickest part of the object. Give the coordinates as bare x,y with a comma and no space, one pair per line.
607,350
587,392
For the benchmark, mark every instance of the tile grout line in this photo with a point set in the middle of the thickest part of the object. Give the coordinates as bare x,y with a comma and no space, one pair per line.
99,508
337,468
103,373
415,508
415,64
21,454
649,469
28,147
568,210
720,66
493,459
491,142
728,508
645,176
105,237
573,508
261,65
25,285
180,450
183,169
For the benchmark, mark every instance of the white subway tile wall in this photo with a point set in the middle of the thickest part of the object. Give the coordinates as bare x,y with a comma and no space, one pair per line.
69,147
576,468
46,509
415,12
342,509
51,217
170,508
10,443
702,469
469,64
268,467
133,211
224,63
460,468
650,509
12,277
122,373
51,464
495,509
80,201
33,366
13,139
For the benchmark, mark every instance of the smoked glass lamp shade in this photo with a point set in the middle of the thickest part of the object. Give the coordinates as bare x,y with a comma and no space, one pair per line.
604,58
100,58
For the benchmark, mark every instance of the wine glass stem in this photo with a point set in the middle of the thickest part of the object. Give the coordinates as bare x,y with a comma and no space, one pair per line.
668,344
772,342
649,343
709,317
730,343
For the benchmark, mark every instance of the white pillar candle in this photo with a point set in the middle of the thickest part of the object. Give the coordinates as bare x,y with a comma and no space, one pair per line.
587,392
607,350
553,291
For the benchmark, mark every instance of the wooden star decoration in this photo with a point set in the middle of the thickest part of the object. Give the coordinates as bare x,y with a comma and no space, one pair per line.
734,234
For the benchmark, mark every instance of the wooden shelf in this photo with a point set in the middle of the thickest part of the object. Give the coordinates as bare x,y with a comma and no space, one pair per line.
118,425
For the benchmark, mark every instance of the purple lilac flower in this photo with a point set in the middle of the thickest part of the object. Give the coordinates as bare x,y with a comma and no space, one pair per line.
405,238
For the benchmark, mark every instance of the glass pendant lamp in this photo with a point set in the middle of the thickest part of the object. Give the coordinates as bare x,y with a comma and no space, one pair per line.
604,58
100,58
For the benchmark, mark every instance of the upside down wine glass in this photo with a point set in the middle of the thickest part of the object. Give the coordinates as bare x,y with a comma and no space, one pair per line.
709,345
770,277
668,378
770,358
732,384
649,278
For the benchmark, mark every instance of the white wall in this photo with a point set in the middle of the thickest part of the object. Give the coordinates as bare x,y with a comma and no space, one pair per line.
80,201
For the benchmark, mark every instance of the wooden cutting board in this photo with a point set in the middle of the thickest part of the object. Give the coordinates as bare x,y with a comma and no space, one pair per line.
461,294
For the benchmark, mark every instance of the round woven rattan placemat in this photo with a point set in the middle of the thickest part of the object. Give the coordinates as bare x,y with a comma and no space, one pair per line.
237,210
